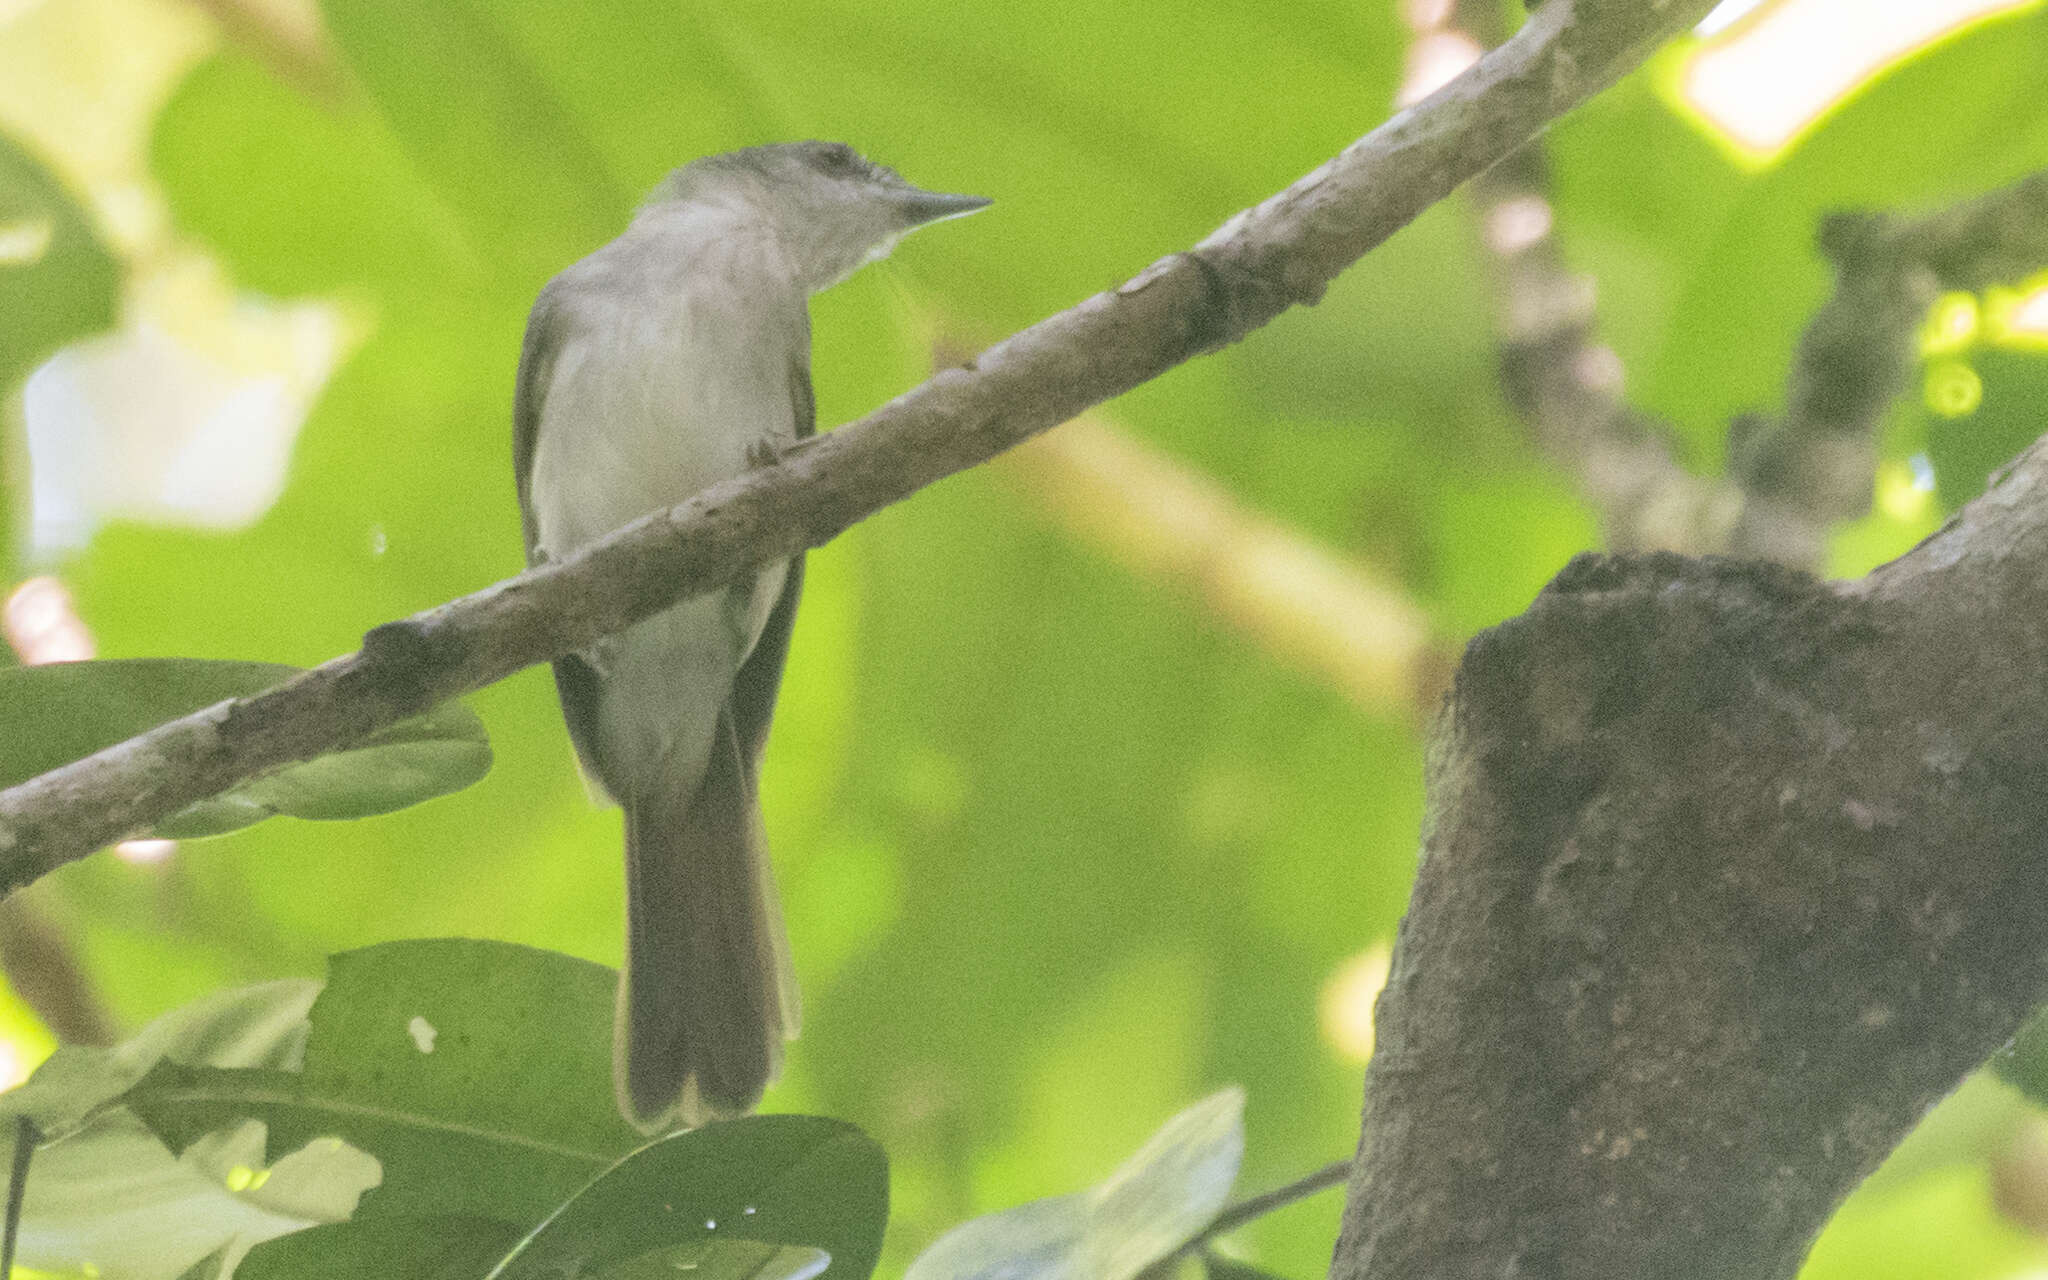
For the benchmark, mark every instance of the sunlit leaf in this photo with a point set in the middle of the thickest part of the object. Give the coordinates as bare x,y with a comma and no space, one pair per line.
63,711
1156,1202
260,1026
102,1189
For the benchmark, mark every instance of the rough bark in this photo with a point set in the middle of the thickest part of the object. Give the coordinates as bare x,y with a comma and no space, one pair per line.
1729,874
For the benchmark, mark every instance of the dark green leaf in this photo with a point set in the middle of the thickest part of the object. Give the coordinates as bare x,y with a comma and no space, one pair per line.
57,281
479,1073
64,711
1156,1202
395,1248
797,1180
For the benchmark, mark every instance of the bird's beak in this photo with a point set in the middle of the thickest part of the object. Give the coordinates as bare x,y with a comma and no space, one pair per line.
919,207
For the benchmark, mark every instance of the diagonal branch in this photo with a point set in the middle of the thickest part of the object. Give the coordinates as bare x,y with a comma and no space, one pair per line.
1262,261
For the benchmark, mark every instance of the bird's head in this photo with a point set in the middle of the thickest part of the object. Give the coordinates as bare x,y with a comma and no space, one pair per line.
831,209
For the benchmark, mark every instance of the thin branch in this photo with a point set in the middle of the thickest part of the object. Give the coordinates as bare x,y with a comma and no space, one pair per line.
1555,373
1264,260
1248,1210
26,1136
1259,1206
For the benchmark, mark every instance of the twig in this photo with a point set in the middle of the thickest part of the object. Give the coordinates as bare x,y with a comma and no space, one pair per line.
1262,261
1259,1206
1247,1210
26,1136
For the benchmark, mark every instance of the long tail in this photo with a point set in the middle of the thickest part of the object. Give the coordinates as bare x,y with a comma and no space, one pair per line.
705,1001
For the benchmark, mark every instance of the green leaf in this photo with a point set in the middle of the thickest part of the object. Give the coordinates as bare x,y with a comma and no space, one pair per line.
478,1073
103,1191
395,1248
64,711
724,1260
797,1180
1153,1204
259,1026
57,281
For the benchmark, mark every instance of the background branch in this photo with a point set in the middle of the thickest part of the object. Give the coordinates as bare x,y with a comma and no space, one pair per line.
1556,374
44,969
1791,477
1307,605
1259,263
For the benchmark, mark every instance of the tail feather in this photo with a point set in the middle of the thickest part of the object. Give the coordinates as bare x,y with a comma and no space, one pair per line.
704,1000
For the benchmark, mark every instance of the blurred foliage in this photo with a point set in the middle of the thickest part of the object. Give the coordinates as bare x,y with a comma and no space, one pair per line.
1059,854
57,283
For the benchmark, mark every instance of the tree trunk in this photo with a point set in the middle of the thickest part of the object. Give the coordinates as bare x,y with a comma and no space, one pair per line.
1728,875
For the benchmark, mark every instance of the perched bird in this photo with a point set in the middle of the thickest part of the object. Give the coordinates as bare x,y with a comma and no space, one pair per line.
675,357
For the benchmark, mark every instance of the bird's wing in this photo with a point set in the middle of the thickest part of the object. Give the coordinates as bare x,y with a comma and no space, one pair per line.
544,335
576,681
760,676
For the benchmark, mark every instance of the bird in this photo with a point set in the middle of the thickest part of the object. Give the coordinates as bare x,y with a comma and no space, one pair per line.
672,358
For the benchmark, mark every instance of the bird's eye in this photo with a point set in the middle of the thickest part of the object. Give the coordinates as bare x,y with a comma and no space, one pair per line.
837,159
